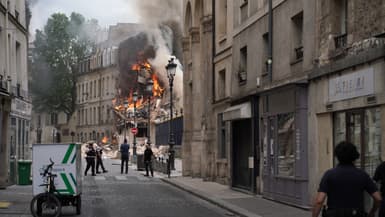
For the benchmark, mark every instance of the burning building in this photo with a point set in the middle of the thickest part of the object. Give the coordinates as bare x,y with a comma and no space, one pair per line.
107,81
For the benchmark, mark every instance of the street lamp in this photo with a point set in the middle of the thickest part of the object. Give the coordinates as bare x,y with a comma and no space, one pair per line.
125,103
135,99
149,87
171,70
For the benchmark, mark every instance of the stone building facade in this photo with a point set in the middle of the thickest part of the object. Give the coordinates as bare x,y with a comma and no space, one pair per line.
96,89
272,132
346,86
15,107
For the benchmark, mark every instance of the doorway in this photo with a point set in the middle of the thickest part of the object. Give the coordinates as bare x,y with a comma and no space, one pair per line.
242,150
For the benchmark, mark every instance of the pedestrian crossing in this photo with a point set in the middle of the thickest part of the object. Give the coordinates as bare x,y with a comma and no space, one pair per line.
121,178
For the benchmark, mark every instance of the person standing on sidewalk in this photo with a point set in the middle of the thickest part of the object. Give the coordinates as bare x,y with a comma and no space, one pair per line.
99,159
379,176
90,158
344,187
148,160
125,153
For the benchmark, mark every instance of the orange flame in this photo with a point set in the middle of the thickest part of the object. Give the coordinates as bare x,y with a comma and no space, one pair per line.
157,90
105,140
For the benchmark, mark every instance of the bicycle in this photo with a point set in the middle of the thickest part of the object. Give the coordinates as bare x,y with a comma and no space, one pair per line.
47,203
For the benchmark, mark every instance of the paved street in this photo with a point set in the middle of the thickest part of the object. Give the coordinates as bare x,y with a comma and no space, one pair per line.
112,194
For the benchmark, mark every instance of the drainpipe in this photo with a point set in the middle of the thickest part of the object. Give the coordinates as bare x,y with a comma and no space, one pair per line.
214,51
270,50
7,73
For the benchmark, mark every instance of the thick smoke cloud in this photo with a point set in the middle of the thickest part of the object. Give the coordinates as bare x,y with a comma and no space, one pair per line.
153,12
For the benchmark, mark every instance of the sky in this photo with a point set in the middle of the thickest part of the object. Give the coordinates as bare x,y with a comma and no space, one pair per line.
107,12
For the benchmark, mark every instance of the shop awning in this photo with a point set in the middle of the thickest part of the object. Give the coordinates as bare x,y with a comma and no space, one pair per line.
241,111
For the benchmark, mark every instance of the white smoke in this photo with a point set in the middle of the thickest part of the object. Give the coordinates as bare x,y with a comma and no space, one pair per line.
155,14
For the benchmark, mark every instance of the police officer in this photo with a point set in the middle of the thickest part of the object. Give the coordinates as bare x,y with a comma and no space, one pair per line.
90,158
344,187
148,160
99,159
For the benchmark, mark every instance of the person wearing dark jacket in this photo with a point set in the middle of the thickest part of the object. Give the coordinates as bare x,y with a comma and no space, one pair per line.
148,160
99,160
379,176
125,152
344,187
90,159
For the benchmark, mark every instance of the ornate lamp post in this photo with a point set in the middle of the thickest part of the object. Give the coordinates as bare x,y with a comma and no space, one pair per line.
149,86
135,99
125,104
171,70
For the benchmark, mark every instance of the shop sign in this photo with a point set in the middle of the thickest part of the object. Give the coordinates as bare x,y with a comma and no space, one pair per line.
359,83
21,107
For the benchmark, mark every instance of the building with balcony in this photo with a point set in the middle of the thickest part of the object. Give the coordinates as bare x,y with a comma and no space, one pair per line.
284,83
347,84
15,107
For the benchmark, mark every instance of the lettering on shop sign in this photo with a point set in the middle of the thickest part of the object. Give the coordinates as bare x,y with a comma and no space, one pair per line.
356,84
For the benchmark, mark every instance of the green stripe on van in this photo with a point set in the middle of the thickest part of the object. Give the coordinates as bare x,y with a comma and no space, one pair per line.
68,153
67,183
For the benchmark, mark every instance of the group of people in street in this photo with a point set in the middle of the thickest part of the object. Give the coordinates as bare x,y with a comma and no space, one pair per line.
94,154
344,187
125,153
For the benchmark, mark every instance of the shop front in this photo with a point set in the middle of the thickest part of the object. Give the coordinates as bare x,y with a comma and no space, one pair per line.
284,142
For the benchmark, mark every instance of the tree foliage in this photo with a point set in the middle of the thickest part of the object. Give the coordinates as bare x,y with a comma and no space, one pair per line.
57,50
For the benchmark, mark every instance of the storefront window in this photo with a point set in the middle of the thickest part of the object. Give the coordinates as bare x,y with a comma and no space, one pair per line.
286,147
339,127
372,140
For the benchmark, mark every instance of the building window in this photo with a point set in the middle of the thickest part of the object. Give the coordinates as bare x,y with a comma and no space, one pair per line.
222,84
285,143
362,128
242,71
95,89
222,153
54,119
341,7
265,42
244,10
222,18
297,23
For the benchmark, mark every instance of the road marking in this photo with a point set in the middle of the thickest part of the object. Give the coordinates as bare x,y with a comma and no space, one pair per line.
4,205
100,178
120,178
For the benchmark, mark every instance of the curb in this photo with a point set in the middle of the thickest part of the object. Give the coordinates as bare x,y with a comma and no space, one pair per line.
216,201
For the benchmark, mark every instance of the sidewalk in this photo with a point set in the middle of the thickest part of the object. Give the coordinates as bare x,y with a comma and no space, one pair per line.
242,204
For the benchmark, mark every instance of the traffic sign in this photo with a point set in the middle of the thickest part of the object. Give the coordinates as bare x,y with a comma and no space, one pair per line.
134,130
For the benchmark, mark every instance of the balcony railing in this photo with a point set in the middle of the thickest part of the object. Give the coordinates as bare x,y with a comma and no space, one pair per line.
340,41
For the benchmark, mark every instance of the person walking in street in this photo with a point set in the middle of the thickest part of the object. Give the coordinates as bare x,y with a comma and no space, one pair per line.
379,177
148,160
125,153
99,160
90,159
344,187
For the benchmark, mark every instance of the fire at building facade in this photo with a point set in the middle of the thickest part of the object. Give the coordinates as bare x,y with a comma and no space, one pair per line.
106,85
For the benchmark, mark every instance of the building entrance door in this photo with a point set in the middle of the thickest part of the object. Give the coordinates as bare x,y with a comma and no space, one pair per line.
354,123
242,150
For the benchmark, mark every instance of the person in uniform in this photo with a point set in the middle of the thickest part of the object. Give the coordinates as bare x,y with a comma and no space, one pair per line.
148,160
99,159
344,187
90,159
